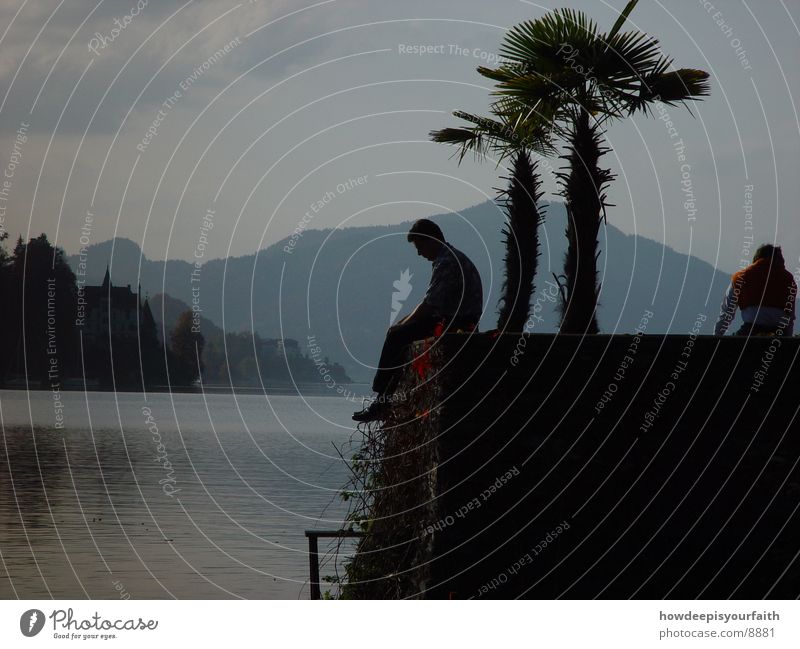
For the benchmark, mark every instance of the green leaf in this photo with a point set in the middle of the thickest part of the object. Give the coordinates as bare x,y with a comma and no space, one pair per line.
557,68
623,16
672,88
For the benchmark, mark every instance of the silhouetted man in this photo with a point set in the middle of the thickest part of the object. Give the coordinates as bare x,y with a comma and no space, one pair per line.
765,294
454,299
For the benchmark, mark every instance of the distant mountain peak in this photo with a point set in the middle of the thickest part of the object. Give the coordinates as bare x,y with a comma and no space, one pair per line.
346,303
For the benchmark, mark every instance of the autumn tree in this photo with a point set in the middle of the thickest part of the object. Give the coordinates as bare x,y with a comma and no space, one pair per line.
187,344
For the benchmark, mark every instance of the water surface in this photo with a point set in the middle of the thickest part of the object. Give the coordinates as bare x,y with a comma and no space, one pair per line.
98,508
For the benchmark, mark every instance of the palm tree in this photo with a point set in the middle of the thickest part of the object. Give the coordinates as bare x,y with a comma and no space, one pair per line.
521,233
561,76
583,187
497,137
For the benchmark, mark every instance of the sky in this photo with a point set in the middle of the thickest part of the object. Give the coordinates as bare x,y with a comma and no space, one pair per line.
207,129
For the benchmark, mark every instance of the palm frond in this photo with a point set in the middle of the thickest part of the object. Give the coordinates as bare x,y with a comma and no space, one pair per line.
541,44
505,72
521,113
623,16
533,88
465,138
494,136
672,88
561,58
628,56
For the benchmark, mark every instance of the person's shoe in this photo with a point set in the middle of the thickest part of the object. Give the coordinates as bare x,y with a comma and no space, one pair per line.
373,412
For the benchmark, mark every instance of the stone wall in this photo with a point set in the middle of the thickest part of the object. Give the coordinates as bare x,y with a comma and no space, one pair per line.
601,466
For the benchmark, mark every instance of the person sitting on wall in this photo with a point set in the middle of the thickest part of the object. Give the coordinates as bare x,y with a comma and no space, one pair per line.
765,294
454,300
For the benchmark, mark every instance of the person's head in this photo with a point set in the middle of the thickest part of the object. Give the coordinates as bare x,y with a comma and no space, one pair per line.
427,238
772,254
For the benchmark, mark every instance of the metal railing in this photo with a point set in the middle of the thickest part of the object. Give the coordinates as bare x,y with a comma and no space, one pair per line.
313,554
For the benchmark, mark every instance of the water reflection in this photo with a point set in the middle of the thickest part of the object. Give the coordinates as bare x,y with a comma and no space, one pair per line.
84,513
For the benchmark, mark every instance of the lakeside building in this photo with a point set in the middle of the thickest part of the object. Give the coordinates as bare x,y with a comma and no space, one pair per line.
114,312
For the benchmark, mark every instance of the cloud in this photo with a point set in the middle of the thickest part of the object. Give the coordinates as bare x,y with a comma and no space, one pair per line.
132,48
318,58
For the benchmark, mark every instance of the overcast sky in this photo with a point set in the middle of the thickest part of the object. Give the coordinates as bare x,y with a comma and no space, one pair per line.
311,96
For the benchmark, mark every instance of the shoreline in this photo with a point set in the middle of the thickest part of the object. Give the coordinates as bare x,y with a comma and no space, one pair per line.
318,389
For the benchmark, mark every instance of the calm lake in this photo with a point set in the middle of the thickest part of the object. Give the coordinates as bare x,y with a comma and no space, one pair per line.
97,509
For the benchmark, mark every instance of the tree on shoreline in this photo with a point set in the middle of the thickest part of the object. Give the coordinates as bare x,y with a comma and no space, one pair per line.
187,348
40,322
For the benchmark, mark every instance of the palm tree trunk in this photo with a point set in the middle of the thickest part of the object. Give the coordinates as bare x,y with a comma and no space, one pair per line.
521,232
583,187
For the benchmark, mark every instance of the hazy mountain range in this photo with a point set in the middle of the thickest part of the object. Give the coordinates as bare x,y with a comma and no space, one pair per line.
337,286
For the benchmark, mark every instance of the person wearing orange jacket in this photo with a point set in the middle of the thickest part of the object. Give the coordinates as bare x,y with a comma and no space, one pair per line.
765,294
